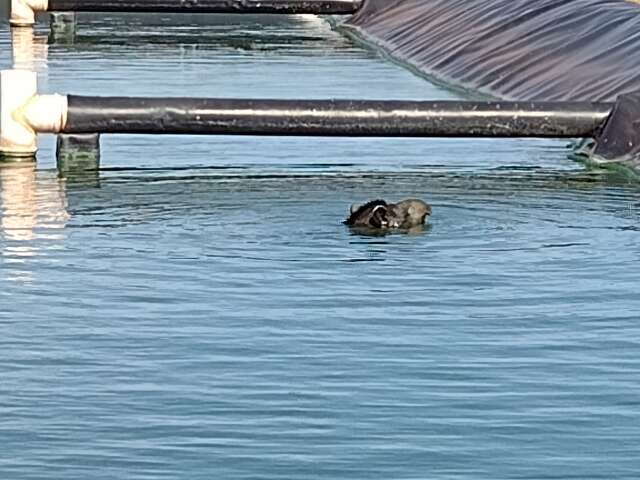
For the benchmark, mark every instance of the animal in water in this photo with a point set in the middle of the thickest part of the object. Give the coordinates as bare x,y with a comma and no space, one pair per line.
380,215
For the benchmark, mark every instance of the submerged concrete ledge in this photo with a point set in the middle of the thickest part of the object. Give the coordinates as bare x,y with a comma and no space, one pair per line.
23,11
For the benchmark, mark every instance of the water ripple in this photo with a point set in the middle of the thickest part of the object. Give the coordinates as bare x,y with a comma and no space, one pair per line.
196,309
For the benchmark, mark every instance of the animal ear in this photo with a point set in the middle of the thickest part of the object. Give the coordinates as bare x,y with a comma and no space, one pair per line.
379,217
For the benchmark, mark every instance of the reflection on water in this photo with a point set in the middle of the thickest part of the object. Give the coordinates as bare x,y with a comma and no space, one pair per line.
30,51
373,232
18,195
33,216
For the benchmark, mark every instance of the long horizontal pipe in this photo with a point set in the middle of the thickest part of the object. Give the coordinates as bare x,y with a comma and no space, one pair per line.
349,118
209,6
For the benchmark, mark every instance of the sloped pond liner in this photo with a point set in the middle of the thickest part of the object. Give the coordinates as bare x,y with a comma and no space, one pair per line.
545,50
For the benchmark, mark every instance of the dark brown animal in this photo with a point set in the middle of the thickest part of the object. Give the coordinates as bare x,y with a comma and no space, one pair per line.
378,214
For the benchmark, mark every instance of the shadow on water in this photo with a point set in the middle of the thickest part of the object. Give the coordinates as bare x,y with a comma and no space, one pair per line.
377,232
499,178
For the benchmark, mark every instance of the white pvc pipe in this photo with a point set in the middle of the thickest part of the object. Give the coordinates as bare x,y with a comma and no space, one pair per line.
23,113
23,12
46,113
17,87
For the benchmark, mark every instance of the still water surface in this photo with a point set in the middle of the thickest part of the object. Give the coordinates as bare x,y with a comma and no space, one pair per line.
196,310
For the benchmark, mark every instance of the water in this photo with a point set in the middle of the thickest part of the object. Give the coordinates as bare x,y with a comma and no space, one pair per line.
196,309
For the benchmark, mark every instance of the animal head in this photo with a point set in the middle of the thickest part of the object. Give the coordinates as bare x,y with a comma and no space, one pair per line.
409,213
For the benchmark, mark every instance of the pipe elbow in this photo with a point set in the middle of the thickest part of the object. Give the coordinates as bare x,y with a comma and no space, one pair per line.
23,12
44,113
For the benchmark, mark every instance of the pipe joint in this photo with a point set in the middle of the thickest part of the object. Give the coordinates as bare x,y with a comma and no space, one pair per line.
24,113
23,12
44,113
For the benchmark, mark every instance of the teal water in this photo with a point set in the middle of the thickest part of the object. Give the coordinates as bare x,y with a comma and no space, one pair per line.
196,310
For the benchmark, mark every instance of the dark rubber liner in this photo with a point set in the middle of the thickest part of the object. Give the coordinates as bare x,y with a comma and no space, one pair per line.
512,49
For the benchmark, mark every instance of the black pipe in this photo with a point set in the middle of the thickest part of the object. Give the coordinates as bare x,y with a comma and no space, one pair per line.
334,117
209,6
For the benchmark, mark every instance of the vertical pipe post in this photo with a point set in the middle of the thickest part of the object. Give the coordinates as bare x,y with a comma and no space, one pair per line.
78,154
17,138
63,27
